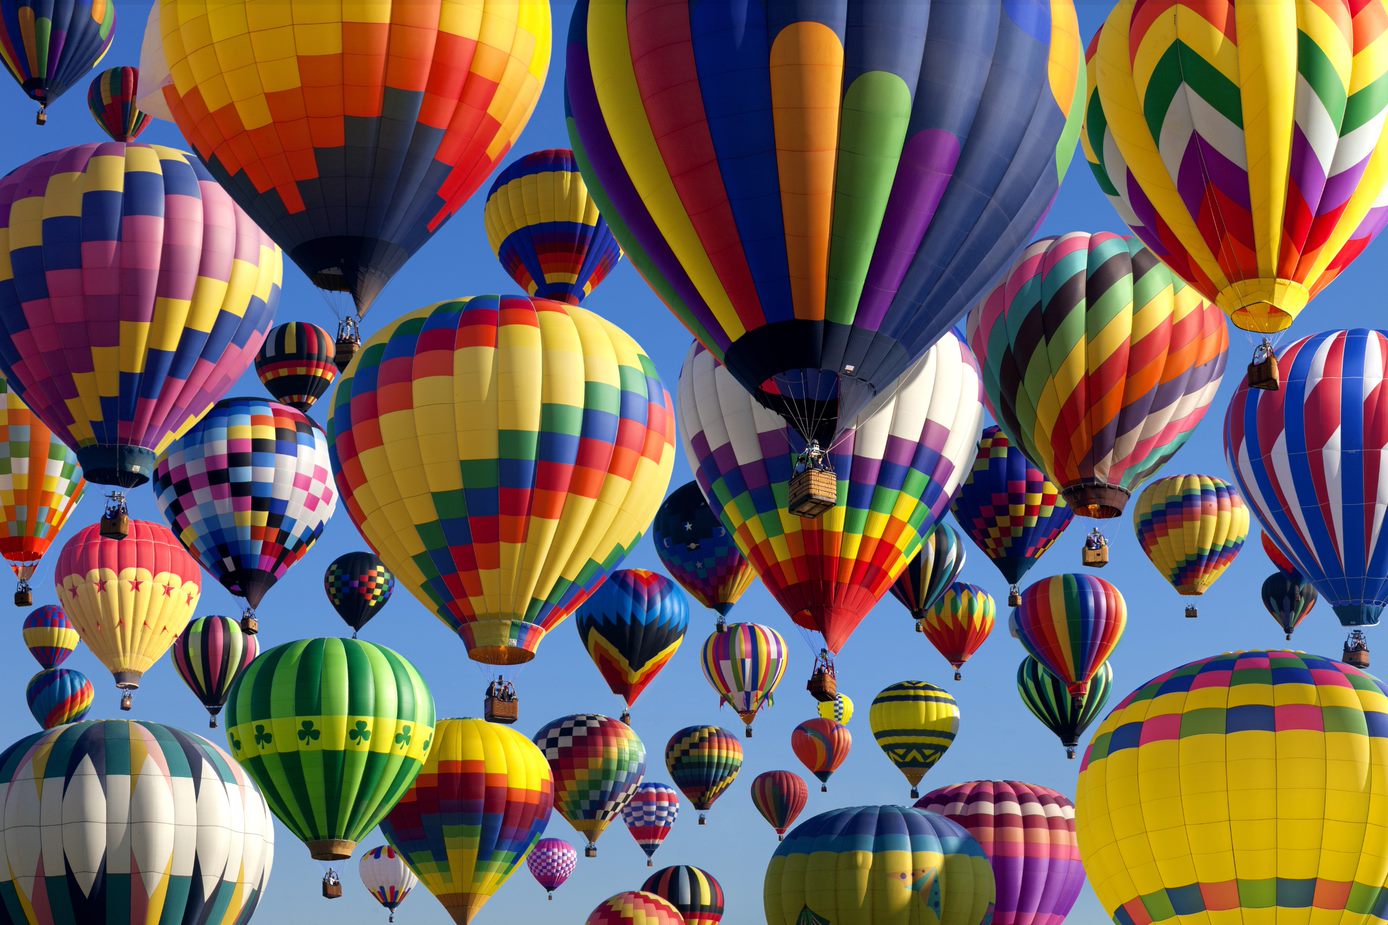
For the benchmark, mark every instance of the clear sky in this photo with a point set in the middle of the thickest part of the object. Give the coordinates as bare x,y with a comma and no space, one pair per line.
998,738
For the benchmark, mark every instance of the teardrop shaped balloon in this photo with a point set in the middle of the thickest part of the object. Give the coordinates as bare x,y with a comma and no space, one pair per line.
1289,598
635,908
478,806
1071,624
111,98
959,623
386,877
552,862
50,636
650,815
333,756
408,108
358,585
744,663
558,471
249,490
931,571
1049,700
822,745
780,797
699,552
914,723
820,269
597,763
840,709
632,626
703,762
695,892
58,696
297,364
1191,527
896,472
193,310
1098,363
210,654
48,46
545,229
129,599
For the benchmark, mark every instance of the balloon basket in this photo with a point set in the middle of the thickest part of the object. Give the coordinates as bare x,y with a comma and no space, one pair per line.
127,701
959,676
703,820
749,733
250,625
591,851
823,788
549,897
347,344
823,687
650,862
1070,752
1356,651
500,711
212,721
1262,372
780,838
115,525
813,492
1014,597
41,117
1191,612
626,717
332,885
919,628
24,596
1094,558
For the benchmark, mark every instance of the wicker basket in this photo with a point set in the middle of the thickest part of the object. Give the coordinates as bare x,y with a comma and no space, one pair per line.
505,712
813,492
115,526
823,687
24,597
1262,374
332,889
1096,558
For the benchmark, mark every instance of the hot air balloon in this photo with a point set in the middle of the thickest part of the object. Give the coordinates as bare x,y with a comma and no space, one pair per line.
1098,363
693,891
1277,556
551,863
50,636
297,364
358,585
1289,598
699,552
386,877
40,484
115,821
650,814
896,469
478,806
1258,236
528,539
914,723
632,626
931,571
545,228
193,310
821,745
1214,741
58,696
1071,624
409,109
49,45
1028,834
840,709
1191,527
111,99
959,622
129,599
1049,700
334,756
746,235
703,762
1009,508
634,908
1306,459
780,797
744,663
210,654
879,865
597,763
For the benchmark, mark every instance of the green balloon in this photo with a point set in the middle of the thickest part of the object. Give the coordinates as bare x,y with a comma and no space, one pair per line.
334,731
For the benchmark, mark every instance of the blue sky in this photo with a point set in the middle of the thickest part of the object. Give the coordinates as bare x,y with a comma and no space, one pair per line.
998,737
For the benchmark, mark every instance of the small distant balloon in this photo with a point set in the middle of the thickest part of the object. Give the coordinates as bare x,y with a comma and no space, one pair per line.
111,97
58,696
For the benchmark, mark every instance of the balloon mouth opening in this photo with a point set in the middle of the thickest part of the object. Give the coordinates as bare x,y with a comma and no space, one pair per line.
128,680
500,655
1093,498
1365,614
121,466
501,641
1263,306
331,849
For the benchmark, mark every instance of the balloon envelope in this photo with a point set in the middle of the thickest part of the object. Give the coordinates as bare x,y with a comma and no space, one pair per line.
49,45
914,723
635,908
386,877
210,654
58,696
698,551
780,797
1049,700
552,861
632,626
1071,624
692,890
111,99
744,663
50,635
40,485
597,763
650,814
1191,527
959,622
297,364
1289,598
822,745
931,571
703,762
358,585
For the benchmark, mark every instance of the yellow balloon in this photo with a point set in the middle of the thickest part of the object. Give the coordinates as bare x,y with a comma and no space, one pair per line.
840,709
914,723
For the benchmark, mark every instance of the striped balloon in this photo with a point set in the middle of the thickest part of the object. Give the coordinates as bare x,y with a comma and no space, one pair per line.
1098,363
1182,104
297,364
931,571
1009,508
111,98
386,877
744,663
897,469
650,815
959,622
48,45
210,654
632,626
50,635
635,908
58,696
703,762
780,797
1276,556
914,723
1049,700
552,862
1289,598
699,552
545,229
1071,624
597,764
1191,527
692,890
822,745
1307,458
1028,834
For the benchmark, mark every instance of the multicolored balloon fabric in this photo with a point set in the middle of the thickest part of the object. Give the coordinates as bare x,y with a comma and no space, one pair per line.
820,269
692,890
1289,598
703,762
931,571
209,655
635,908
1098,363
545,229
1191,527
780,797
1071,624
650,814
840,709
297,364
410,109
1276,556
49,45
58,696
744,663
508,537
822,745
1049,700
597,763
959,623
50,636
632,626
111,98
914,723
551,862
699,552
386,877
358,585
192,315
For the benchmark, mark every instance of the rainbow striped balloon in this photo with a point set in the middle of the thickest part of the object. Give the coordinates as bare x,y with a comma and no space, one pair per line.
1098,363
1071,624
111,99
49,635
209,655
703,762
1191,527
58,696
959,622
1245,143
545,228
744,663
